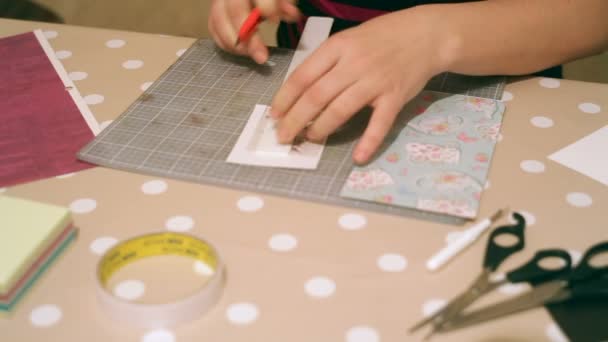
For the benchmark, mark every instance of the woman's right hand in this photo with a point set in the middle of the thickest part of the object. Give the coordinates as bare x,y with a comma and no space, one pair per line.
227,16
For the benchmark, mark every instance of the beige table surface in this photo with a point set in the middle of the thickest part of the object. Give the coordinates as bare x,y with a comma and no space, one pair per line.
350,276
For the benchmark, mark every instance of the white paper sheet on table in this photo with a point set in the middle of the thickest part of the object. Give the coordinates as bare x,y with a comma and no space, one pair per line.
588,155
257,145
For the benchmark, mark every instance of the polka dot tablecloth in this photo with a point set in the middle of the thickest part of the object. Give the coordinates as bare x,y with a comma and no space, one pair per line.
298,271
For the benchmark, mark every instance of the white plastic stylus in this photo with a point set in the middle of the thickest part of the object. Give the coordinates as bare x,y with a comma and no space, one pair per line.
465,239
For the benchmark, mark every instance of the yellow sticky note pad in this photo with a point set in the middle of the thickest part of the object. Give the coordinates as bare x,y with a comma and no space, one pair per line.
26,230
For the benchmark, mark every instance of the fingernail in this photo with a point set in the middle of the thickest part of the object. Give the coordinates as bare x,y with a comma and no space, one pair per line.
312,137
360,156
260,57
274,113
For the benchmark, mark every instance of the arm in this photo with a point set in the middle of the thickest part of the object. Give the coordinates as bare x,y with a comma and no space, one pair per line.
386,61
519,37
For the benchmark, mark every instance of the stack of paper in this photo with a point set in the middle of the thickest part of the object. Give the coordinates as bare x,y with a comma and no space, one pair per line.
33,235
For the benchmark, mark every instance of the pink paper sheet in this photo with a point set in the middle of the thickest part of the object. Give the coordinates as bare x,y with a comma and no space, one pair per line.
41,128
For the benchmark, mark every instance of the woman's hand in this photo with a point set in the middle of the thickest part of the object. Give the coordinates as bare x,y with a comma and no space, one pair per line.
382,63
227,16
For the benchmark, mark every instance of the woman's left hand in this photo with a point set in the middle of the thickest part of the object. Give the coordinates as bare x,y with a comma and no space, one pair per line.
382,63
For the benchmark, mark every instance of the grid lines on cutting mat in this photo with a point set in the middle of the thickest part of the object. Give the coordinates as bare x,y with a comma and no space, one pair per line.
185,124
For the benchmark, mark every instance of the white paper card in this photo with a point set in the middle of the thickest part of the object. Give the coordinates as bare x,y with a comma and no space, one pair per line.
254,148
588,155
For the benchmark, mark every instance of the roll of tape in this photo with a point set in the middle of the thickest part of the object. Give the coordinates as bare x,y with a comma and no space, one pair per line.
165,314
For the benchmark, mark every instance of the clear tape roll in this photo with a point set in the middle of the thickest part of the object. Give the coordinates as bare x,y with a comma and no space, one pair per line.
166,314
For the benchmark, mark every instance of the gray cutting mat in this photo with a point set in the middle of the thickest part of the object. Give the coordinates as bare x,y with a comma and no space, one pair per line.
185,125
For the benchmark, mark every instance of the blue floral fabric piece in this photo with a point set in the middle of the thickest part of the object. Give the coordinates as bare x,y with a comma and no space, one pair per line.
438,157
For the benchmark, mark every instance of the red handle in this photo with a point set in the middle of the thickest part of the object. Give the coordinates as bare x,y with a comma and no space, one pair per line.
250,24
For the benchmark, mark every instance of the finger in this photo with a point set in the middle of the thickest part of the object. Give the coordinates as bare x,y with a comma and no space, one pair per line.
256,49
213,33
269,8
237,11
340,110
380,123
289,12
313,67
312,102
225,30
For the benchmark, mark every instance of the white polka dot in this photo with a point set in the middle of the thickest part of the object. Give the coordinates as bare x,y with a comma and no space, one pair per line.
133,64
579,199
83,205
392,263
45,316
158,335
532,166
549,83
203,269
63,54
352,221
66,175
452,236
541,122
145,86
102,244
242,313
93,99
179,223
105,124
507,96
130,289
250,203
589,108
528,216
513,289
362,333
282,242
576,256
78,75
115,43
320,287
432,306
154,187
555,334
180,52
50,34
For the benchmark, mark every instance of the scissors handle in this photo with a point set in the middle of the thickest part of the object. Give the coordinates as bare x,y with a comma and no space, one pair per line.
587,268
597,288
495,253
533,272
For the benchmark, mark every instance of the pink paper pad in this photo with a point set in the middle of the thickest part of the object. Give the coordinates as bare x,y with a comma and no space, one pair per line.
41,128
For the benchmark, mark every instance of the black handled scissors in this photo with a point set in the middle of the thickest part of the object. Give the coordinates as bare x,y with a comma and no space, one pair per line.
587,280
496,253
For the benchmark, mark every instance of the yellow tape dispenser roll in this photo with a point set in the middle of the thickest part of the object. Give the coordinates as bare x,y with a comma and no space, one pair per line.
165,314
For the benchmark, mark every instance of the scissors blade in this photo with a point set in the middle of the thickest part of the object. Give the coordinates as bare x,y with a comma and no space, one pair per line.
531,299
479,287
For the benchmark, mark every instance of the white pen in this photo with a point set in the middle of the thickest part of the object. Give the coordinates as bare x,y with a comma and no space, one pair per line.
465,239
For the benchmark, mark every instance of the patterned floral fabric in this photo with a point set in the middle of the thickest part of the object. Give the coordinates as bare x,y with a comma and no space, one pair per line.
439,159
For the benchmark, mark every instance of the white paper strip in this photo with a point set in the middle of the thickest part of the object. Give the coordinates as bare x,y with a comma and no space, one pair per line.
89,118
